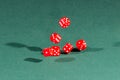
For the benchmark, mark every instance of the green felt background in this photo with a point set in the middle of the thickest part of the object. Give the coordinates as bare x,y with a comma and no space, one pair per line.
25,27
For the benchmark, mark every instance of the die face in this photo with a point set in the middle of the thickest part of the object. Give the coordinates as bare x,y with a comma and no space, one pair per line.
55,38
67,48
52,51
64,22
81,44
46,52
56,50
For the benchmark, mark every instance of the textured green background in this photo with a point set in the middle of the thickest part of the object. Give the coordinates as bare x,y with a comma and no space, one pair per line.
25,26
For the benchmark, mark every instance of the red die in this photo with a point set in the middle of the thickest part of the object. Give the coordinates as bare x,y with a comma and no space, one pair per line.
47,52
81,44
55,38
55,50
67,48
64,22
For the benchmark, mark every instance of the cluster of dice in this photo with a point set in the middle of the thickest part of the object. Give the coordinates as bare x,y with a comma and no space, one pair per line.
64,22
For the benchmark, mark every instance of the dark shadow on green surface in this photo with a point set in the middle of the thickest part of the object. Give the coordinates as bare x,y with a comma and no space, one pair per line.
62,52
116,44
33,60
65,59
32,48
89,49
19,45
75,50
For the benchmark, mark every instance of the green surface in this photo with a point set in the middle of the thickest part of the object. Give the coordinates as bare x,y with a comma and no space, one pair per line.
25,27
